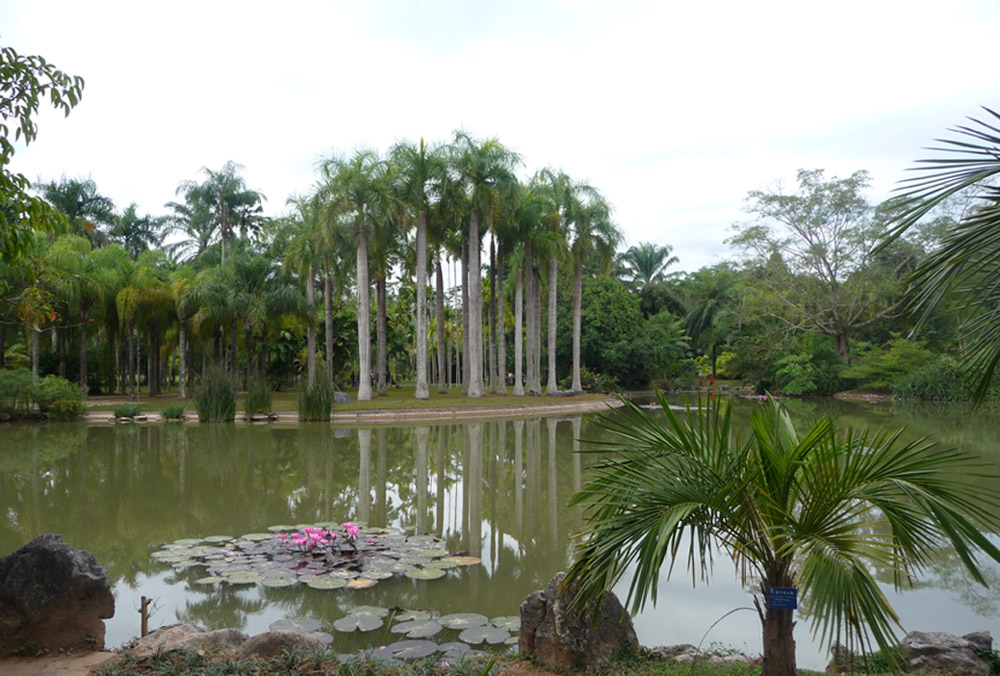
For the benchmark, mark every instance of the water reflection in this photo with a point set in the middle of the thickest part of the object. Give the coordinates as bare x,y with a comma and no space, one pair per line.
495,489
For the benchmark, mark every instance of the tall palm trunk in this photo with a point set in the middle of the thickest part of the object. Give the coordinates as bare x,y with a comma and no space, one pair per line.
247,342
442,349
466,331
501,331
422,391
364,317
310,330
491,349
550,386
131,359
532,384
36,353
536,339
475,283
518,338
381,365
328,318
61,341
182,348
577,306
84,324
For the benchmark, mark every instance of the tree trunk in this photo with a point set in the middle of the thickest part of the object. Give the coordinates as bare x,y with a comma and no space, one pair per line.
234,372
3,346
36,353
422,391
131,360
475,283
381,361
518,338
491,351
531,385
182,348
364,317
150,367
247,342
310,330
61,341
84,325
537,338
501,327
551,386
840,340
466,331
778,637
442,346
328,317
577,321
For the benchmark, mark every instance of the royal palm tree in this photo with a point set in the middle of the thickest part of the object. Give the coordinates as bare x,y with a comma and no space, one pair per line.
137,233
816,511
302,255
85,208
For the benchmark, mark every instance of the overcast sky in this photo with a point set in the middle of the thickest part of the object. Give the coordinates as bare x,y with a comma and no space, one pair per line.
674,110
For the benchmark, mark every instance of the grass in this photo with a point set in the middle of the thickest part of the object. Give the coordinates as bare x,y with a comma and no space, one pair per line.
400,398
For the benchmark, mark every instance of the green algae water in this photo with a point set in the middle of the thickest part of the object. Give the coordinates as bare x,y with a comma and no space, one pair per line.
493,490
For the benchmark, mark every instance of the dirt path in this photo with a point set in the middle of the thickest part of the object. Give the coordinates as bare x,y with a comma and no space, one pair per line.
75,664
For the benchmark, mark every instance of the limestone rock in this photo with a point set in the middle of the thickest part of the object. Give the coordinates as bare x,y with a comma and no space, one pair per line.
275,643
218,641
165,639
937,651
566,640
54,596
341,398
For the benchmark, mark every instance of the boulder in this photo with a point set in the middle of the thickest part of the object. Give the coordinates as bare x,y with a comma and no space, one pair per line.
564,639
165,639
275,643
218,641
54,596
937,651
341,398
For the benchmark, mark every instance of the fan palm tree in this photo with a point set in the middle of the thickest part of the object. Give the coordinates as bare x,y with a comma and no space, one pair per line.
963,269
814,511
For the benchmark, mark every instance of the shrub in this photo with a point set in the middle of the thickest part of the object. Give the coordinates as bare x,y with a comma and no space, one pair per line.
316,402
586,379
126,411
58,398
939,380
258,398
215,397
173,412
878,367
15,393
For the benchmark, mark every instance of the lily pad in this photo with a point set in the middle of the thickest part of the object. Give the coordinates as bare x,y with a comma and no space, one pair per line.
211,579
464,560
356,622
425,573
443,564
243,577
304,625
278,582
375,611
486,632
326,582
433,553
418,628
258,537
513,640
280,529
407,615
463,620
411,650
361,583
218,538
455,649
508,622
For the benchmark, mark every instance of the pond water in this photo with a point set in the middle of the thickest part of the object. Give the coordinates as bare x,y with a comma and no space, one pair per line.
497,490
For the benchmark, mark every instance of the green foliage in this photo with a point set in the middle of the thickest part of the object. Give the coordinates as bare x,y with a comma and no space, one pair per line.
173,412
15,393
992,658
215,397
126,411
796,374
810,366
58,398
591,382
316,402
258,398
879,367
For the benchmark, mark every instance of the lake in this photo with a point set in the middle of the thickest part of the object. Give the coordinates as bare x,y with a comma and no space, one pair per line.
497,490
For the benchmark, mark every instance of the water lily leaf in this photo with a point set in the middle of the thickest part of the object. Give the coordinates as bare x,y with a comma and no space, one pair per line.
187,542
344,574
356,622
443,564
166,556
464,560
508,622
218,538
323,637
463,620
407,615
303,625
417,628
258,537
378,574
425,573
243,577
513,640
375,611
411,650
326,582
211,579
486,632
361,583
280,529
433,553
278,582
455,649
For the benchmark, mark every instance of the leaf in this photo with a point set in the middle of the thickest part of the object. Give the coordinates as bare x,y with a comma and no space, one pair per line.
411,650
418,628
243,577
407,615
425,573
486,632
218,538
303,625
188,542
375,611
508,622
361,583
211,579
325,582
357,622
278,582
433,553
463,620
464,560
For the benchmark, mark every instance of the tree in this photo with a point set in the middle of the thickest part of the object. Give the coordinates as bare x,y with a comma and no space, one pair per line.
712,316
963,268
136,233
25,81
85,207
816,511
646,263
814,251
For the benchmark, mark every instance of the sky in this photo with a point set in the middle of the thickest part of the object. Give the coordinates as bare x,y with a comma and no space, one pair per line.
673,110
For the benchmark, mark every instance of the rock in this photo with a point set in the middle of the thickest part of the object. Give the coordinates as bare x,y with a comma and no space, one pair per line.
275,643
937,651
165,638
534,393
341,398
218,641
260,417
565,640
685,652
53,595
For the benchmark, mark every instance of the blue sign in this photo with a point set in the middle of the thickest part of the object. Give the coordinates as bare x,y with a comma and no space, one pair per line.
782,598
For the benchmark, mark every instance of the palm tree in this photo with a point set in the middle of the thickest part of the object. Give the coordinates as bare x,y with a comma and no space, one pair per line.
963,268
137,233
711,318
86,209
646,263
193,220
814,511
301,254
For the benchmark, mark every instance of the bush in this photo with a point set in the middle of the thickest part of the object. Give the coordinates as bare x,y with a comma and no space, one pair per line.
126,411
58,398
939,380
173,412
15,393
586,380
258,399
215,397
316,402
880,366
